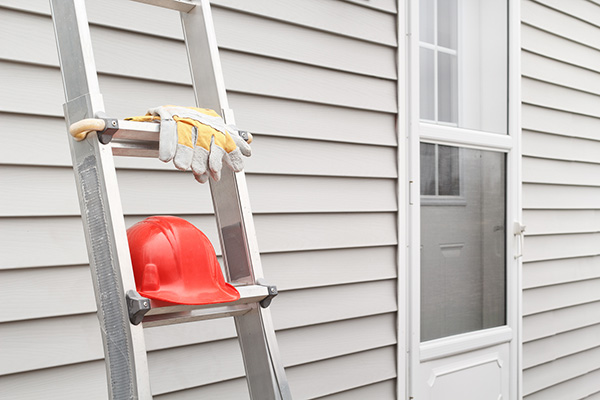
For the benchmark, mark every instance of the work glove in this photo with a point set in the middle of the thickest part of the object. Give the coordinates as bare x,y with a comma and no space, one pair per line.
197,138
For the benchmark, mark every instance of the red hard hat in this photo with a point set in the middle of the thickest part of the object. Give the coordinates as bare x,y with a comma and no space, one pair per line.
174,261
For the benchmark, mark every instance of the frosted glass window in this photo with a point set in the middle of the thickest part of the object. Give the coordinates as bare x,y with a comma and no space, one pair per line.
469,42
447,22
427,86
427,21
463,247
447,88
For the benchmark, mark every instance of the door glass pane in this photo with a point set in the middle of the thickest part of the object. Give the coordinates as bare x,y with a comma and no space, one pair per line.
447,23
428,163
447,88
427,85
448,170
463,246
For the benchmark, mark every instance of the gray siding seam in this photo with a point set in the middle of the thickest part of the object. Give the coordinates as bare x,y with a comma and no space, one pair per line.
559,109
563,12
534,78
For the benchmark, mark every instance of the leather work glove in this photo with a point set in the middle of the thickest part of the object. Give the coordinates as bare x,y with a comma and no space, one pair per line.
197,138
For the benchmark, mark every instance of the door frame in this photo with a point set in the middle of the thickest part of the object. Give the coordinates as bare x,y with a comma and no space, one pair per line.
410,133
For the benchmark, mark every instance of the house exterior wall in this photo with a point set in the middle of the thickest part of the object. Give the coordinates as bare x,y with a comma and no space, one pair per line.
561,191
315,80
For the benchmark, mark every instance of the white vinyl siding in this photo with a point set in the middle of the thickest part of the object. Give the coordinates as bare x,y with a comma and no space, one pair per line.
316,82
561,199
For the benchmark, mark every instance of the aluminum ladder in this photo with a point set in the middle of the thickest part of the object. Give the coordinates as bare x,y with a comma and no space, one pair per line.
120,307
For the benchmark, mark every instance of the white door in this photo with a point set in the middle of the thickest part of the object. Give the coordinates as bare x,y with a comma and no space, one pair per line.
464,282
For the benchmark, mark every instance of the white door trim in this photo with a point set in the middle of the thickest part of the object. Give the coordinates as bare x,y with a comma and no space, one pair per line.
410,133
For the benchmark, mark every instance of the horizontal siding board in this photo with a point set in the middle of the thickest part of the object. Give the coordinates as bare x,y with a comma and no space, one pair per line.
582,387
334,303
564,148
560,296
555,347
554,272
327,16
543,196
553,322
51,342
279,194
317,380
313,232
178,335
550,45
545,18
37,242
234,389
258,75
323,341
243,73
85,381
557,122
390,6
540,222
140,55
552,247
191,366
560,172
558,97
288,118
385,390
124,98
169,192
329,267
560,73
343,373
580,9
46,292
272,155
560,371
68,290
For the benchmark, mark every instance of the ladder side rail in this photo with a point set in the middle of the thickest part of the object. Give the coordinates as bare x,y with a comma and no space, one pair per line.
234,215
99,199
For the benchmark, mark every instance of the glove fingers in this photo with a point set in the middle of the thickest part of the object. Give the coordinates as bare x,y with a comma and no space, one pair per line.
234,160
215,161
200,161
242,144
183,157
202,178
168,140
168,134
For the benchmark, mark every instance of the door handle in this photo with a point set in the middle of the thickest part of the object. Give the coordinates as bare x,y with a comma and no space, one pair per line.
519,230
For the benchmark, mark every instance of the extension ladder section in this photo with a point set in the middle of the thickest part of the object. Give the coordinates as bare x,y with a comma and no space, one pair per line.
122,312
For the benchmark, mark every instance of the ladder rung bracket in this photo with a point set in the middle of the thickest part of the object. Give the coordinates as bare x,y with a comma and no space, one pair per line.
138,131
136,139
160,315
178,5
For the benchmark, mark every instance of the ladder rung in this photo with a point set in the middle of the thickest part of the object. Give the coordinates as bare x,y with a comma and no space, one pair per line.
176,314
179,5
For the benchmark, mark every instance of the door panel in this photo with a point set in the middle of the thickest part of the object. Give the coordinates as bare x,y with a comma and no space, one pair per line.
477,375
